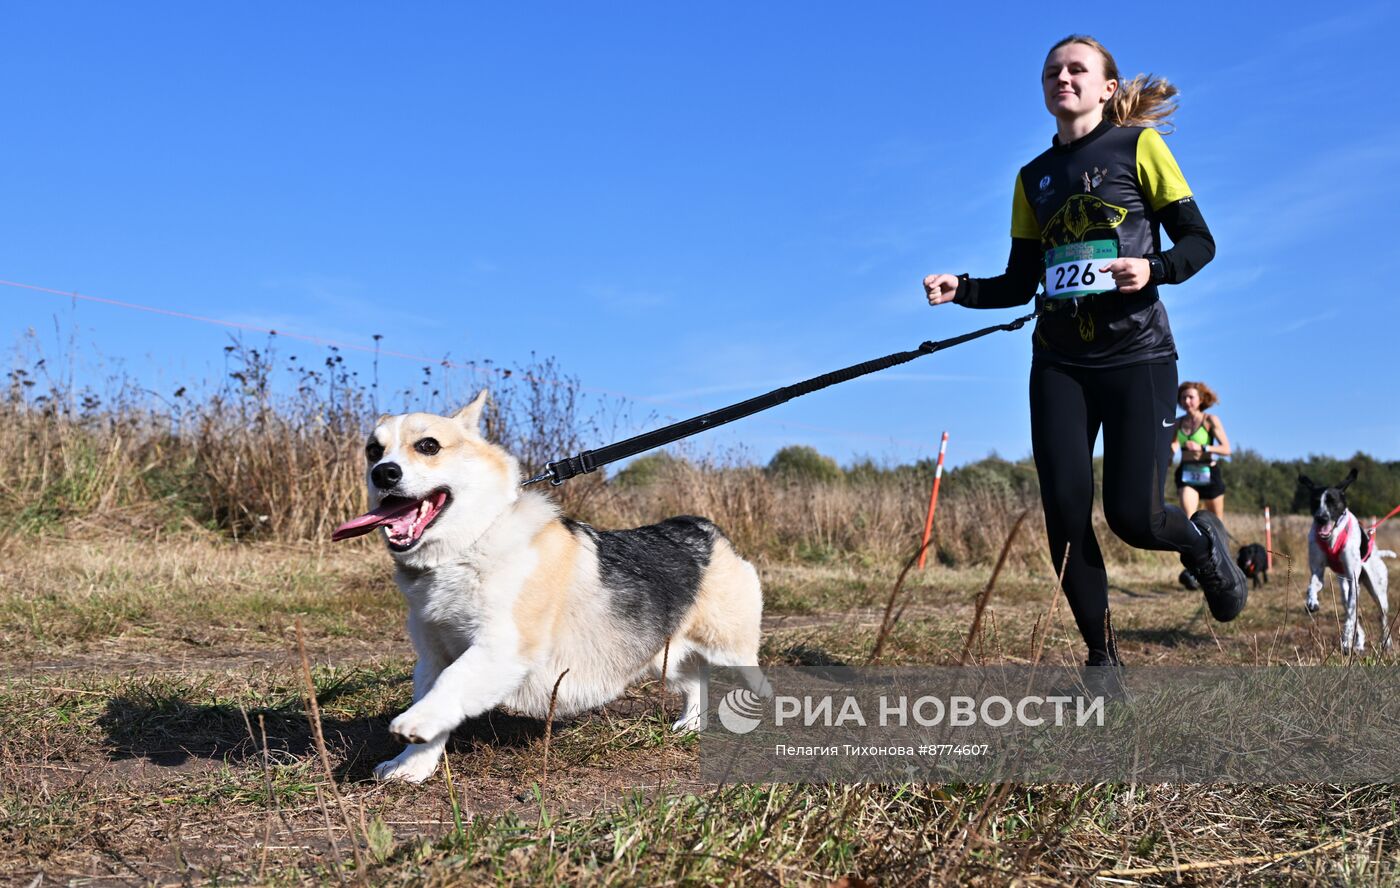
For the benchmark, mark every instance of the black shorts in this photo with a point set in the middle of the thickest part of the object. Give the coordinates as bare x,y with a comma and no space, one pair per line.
1215,488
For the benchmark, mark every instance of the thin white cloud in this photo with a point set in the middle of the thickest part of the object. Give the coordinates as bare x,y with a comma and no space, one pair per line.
295,326
1283,48
762,387
347,298
1301,323
755,388
625,301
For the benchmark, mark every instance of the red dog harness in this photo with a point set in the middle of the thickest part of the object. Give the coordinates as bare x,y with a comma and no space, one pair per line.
1340,533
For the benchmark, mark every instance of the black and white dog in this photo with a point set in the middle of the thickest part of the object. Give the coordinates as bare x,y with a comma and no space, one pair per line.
1254,561
1338,541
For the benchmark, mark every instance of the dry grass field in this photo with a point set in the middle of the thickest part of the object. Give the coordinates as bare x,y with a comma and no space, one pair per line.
154,730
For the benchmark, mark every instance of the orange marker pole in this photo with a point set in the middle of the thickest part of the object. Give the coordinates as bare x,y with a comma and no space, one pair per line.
1268,540
933,501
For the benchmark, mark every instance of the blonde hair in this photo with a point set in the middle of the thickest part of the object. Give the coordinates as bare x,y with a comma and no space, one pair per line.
1143,101
1208,396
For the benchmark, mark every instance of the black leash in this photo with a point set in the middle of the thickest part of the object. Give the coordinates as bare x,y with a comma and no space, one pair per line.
562,470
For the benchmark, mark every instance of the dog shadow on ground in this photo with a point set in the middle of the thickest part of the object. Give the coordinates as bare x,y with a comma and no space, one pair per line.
1164,636
1140,593
815,661
170,731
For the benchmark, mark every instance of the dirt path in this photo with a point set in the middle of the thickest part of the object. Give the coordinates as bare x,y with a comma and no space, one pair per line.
125,755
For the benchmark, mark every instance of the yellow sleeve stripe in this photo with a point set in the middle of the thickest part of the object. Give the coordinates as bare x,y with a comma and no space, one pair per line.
1023,223
1158,174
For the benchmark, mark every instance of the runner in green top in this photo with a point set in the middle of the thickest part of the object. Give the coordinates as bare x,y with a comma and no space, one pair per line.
1085,222
1201,439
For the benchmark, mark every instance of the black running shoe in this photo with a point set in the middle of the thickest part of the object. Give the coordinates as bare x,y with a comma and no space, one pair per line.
1187,579
1220,577
1103,677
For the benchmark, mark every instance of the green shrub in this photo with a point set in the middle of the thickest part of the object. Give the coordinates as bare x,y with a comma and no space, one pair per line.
645,471
802,463
998,477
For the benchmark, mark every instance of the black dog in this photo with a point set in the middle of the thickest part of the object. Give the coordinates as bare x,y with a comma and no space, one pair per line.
1254,561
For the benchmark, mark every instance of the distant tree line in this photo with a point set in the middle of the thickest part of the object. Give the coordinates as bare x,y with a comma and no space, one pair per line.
1253,481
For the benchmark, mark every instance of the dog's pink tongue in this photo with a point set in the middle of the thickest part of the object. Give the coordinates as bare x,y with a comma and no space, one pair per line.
385,514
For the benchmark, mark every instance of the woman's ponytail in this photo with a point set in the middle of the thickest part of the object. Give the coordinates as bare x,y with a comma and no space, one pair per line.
1143,101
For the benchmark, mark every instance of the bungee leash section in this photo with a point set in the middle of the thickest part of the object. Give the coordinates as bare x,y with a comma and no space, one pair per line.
589,460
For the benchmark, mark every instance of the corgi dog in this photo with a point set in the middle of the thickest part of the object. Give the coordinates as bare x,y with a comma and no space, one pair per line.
504,594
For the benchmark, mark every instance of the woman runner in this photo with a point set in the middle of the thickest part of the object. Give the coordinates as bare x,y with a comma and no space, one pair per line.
1201,438
1085,221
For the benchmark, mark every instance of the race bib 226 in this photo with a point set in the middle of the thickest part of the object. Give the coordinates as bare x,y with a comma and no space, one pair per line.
1073,269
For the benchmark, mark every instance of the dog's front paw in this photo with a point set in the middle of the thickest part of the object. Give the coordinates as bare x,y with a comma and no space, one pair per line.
421,723
411,766
690,722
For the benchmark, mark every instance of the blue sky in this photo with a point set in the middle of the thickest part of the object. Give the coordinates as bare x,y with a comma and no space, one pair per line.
688,204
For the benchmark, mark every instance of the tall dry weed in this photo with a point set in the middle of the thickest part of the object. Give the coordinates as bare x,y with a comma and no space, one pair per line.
877,519
256,459
272,451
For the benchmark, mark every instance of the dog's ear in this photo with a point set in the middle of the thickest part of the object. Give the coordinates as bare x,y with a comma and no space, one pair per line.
1351,476
1306,482
470,415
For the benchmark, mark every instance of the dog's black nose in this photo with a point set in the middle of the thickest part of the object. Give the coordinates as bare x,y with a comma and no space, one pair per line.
385,475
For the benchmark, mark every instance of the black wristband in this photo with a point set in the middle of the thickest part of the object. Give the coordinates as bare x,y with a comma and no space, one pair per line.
1157,269
964,289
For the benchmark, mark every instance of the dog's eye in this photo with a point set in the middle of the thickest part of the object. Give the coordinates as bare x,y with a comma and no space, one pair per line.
427,446
374,451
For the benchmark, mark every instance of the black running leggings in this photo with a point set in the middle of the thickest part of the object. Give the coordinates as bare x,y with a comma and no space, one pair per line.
1136,408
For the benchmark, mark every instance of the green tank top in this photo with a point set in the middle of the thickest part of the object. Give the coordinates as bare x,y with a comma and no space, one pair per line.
1201,435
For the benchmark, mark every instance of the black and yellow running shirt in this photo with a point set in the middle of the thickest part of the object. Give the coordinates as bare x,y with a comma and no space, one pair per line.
1078,207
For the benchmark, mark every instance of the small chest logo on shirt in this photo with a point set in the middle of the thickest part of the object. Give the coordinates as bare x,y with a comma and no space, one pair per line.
1044,183
1046,192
